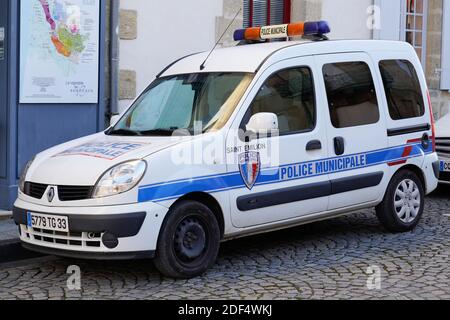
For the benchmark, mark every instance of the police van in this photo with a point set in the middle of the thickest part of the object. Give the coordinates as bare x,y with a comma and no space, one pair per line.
239,141
443,147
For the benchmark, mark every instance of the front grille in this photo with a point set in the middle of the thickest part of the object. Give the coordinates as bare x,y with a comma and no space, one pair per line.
65,193
443,146
35,190
74,193
72,239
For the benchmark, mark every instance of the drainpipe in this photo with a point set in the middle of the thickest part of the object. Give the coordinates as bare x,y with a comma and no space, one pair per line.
114,56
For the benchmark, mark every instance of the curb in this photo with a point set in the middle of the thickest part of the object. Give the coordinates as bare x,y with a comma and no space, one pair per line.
5,214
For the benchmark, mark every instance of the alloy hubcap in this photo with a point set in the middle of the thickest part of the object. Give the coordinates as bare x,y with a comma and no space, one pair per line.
190,240
407,201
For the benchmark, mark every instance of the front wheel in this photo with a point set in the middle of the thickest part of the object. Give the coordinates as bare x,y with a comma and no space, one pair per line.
403,204
189,241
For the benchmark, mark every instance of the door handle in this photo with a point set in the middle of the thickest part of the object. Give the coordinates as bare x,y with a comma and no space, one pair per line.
314,145
339,146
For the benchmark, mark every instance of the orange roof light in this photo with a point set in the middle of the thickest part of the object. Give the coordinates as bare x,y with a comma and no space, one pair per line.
318,28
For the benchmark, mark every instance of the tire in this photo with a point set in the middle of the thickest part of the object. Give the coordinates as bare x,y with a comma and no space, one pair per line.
189,241
403,204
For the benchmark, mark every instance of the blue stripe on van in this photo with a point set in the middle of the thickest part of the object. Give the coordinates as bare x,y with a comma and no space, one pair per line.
164,191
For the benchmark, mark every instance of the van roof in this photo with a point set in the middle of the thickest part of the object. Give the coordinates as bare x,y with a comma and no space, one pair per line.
249,58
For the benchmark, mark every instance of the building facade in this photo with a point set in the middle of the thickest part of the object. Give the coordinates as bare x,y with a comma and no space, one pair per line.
147,40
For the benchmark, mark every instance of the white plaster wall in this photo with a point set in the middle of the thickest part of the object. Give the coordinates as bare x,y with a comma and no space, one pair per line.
347,18
167,30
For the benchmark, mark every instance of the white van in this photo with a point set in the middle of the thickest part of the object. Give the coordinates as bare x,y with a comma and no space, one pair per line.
268,136
443,147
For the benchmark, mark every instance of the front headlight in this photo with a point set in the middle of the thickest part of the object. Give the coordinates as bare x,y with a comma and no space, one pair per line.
120,179
24,175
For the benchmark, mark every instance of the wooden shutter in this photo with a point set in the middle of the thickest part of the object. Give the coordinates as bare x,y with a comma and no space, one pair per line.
276,11
259,13
263,12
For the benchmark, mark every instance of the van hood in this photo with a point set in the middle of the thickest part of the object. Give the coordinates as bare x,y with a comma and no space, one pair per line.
81,162
443,127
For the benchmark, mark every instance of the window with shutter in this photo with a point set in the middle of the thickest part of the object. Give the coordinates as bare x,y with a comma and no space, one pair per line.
414,26
404,20
266,12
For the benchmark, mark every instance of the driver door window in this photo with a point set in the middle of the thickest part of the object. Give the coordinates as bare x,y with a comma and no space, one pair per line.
289,94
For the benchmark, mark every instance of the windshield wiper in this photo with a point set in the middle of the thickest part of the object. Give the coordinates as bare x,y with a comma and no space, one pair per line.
158,132
123,132
153,132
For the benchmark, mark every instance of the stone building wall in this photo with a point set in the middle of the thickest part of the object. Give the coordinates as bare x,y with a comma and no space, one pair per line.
306,10
147,45
128,30
440,99
230,10
106,72
301,10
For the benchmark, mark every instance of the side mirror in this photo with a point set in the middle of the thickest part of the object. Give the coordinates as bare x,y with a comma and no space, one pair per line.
114,120
263,123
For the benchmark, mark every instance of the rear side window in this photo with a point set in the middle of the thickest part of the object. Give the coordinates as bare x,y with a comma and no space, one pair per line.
351,94
289,94
403,92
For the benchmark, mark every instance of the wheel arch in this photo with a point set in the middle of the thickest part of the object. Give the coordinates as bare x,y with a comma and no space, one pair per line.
209,201
417,170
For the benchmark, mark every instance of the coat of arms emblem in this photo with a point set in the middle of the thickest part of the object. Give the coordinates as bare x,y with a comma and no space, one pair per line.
250,167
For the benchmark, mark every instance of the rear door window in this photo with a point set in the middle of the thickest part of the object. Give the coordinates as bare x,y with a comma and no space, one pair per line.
352,98
403,91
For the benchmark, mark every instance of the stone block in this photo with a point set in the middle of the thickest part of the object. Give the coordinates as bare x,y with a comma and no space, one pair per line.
306,10
221,25
127,84
231,7
128,25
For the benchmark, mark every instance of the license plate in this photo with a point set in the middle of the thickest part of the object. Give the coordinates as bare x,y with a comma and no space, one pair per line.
48,222
445,166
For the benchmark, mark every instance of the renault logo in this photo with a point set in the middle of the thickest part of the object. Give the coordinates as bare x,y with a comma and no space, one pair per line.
51,194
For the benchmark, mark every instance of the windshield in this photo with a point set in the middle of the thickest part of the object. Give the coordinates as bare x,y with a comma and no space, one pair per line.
199,103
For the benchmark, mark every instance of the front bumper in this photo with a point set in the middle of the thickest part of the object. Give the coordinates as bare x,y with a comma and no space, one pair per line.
99,233
121,225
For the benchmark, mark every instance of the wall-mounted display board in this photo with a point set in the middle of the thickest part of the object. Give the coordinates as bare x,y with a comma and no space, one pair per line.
59,51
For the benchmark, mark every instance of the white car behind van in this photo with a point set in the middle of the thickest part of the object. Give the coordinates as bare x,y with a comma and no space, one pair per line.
443,147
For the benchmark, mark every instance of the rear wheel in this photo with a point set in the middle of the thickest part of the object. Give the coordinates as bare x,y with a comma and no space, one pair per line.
403,204
189,241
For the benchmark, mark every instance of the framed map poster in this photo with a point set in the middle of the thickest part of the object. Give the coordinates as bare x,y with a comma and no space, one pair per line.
59,51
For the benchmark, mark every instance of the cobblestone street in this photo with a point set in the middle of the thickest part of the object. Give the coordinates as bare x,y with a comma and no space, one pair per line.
326,260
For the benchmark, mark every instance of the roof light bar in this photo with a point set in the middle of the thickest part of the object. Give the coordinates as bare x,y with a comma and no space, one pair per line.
312,28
